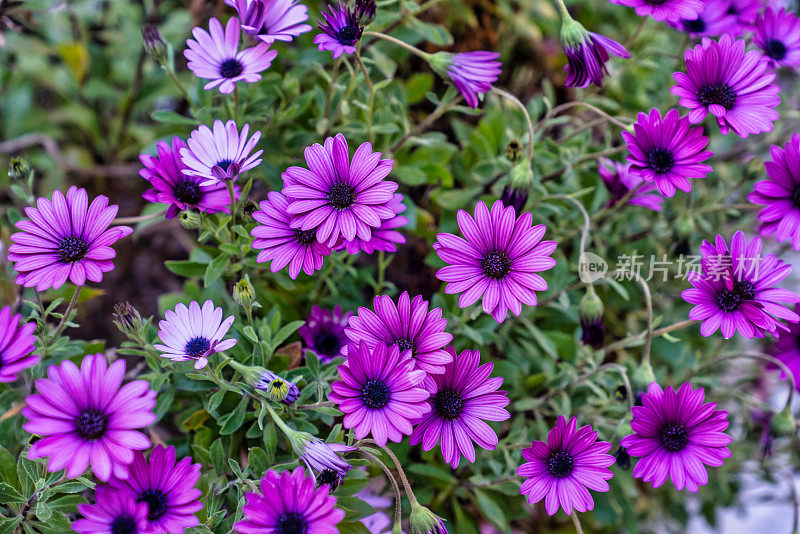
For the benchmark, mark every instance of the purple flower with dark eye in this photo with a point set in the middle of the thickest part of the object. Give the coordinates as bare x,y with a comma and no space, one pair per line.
170,185
336,197
324,333
87,416
665,10
462,399
221,154
272,20
745,12
114,512
16,344
676,435
496,260
341,30
283,245
620,181
780,194
715,19
385,237
777,34
65,238
410,325
667,151
380,392
733,85
193,333
215,56
473,73
168,489
288,504
587,53
564,468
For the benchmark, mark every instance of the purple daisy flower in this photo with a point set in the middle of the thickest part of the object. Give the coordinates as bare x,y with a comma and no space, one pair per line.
619,180
665,10
675,435
667,151
193,333
182,192
777,34
745,12
715,19
733,85
215,56
787,349
473,73
114,512
563,469
461,400
385,237
221,154
16,344
736,290
341,30
167,488
65,238
780,194
282,244
324,332
410,325
86,416
337,197
380,392
587,53
289,503
497,261
272,20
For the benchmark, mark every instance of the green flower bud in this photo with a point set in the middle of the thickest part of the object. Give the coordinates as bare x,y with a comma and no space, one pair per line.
684,226
514,150
423,521
643,377
189,219
783,424
244,294
573,34
18,169
127,319
154,45
590,311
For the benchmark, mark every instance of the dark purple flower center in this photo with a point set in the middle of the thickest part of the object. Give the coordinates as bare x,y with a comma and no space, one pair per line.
91,424
448,404
560,464
404,344
123,525
593,332
745,289
291,523
156,503
796,197
327,343
375,394
660,160
188,192
348,34
655,2
728,300
224,164
496,264
775,49
329,477
341,195
674,437
697,25
306,237
720,94
72,249
197,346
230,68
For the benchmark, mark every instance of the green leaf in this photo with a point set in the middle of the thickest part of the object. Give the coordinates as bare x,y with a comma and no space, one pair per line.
231,422
492,511
167,116
215,269
187,268
8,494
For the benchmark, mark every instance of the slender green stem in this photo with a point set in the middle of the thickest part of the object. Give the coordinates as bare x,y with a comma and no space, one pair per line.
370,107
517,102
635,35
139,218
400,471
172,76
70,307
586,219
576,522
427,122
413,49
278,421
562,9
236,103
232,194
329,93
398,506
578,103
622,343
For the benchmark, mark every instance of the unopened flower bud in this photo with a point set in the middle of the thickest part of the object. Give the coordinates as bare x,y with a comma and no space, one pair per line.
518,187
248,209
18,169
189,219
127,319
154,45
591,315
643,377
244,294
365,11
514,150
423,521
783,424
276,388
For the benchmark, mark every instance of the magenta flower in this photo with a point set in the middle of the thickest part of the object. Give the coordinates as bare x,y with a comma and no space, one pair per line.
65,238
473,73
324,332
780,194
461,400
379,392
667,151
675,435
745,12
221,154
777,34
289,503
182,192
497,261
113,512
410,325
736,290
272,20
215,56
193,333
167,488
16,344
733,85
665,10
283,245
620,181
587,54
787,349
715,19
385,237
563,469
340,30
86,416
337,197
